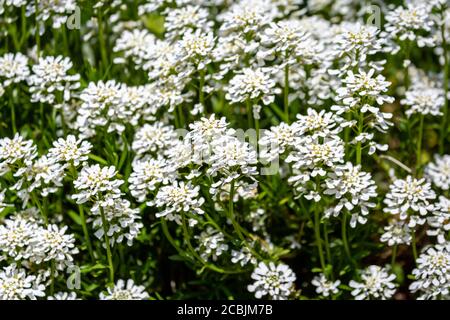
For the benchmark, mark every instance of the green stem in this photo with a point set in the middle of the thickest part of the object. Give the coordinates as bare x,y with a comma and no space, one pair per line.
52,277
359,145
344,236
394,256
39,205
85,232
318,239
176,118
419,144
249,114
327,243
236,226
101,39
181,116
107,245
347,129
414,246
444,123
83,218
13,112
201,94
23,20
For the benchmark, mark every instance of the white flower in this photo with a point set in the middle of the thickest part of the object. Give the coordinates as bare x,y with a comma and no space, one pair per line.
438,171
125,291
230,155
410,198
16,284
284,37
94,181
50,76
147,175
243,17
408,24
70,150
44,174
243,257
311,153
211,243
432,273
181,20
252,85
206,130
275,281
424,100
177,198
63,296
354,189
311,158
122,221
363,87
197,48
16,237
439,221
325,287
397,232
13,68
319,124
152,138
377,283
52,243
15,151
275,142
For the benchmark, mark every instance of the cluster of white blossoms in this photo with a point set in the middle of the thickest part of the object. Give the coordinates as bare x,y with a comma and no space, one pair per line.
376,283
325,287
411,199
252,86
272,280
13,69
439,220
28,240
353,189
125,291
396,233
178,198
424,97
409,24
16,284
111,106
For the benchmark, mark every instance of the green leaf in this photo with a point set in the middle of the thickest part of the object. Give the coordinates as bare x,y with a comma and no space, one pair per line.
75,217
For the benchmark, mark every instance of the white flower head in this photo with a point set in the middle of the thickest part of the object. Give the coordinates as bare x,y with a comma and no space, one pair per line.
410,199
125,291
325,287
